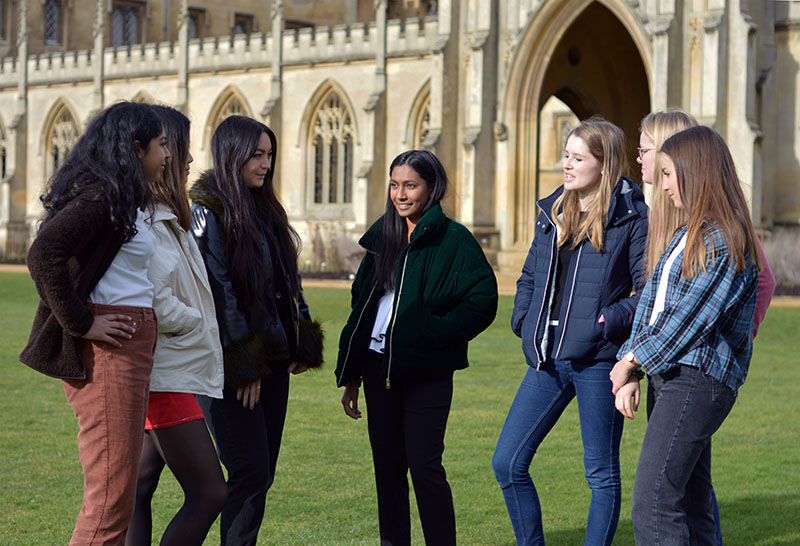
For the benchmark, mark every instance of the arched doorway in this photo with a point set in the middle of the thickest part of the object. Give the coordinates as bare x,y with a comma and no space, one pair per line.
578,58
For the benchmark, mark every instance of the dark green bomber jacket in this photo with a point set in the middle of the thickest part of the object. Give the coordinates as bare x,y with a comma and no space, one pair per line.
445,295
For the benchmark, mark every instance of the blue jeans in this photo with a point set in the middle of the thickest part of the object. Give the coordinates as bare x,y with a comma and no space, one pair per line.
540,401
672,494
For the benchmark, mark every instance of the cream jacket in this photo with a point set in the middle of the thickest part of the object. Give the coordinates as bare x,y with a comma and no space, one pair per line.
188,356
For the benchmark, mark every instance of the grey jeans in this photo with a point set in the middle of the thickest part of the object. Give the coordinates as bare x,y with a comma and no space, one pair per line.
672,502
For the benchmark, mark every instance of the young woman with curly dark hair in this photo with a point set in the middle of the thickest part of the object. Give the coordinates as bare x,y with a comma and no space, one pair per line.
95,327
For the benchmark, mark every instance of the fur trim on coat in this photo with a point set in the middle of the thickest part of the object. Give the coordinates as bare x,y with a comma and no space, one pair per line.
309,347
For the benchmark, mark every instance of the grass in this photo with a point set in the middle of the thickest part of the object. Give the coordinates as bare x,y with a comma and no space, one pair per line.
324,490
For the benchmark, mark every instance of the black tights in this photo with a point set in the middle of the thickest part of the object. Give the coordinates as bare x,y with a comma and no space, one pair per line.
189,452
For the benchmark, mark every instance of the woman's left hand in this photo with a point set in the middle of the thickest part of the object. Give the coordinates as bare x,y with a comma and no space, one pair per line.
250,394
627,398
297,367
620,374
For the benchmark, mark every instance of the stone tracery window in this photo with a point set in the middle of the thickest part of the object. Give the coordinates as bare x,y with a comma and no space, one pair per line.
332,146
232,106
63,135
423,124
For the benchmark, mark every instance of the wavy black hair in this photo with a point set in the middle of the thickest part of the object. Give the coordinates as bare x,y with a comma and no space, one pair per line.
233,144
105,160
394,233
171,191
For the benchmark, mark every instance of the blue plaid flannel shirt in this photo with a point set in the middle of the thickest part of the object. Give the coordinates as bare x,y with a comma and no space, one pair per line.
707,321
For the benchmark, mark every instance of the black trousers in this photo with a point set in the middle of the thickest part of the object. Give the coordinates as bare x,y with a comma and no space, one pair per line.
406,430
248,442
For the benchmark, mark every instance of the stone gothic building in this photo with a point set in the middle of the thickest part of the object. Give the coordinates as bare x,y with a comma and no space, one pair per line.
492,86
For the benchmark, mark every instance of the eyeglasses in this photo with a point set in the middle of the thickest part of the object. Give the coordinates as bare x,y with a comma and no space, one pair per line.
643,151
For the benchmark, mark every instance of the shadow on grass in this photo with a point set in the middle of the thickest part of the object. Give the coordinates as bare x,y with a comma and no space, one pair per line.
757,520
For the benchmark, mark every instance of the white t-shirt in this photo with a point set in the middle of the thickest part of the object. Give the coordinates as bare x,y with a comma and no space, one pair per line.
125,281
378,342
663,281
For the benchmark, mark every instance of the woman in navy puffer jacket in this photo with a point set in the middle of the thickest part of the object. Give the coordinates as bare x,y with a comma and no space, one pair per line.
573,309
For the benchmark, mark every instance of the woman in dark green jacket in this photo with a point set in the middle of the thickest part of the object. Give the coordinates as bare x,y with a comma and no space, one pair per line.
423,291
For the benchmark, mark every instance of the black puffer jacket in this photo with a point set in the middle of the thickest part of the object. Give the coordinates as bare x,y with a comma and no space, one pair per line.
598,283
256,341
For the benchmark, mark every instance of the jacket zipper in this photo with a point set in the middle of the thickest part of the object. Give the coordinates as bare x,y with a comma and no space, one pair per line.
394,315
569,303
544,300
355,329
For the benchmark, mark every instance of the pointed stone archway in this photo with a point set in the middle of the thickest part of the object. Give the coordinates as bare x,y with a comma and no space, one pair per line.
594,57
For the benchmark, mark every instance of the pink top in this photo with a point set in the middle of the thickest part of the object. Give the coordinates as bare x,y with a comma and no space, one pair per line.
766,287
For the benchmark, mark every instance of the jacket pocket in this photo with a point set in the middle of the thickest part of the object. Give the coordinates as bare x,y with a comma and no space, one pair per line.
528,335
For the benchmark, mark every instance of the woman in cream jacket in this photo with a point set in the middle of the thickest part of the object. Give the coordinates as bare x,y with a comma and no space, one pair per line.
187,361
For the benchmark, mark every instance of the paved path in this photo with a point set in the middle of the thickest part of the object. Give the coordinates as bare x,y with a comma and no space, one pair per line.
506,284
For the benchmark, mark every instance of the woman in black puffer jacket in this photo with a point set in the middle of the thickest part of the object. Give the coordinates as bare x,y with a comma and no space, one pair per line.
250,251
573,309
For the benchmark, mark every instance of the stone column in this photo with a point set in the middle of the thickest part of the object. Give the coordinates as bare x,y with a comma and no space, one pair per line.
446,94
272,112
477,154
98,60
739,126
182,55
13,193
431,141
659,28
371,174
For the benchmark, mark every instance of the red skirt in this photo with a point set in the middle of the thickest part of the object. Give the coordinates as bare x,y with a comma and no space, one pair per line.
167,409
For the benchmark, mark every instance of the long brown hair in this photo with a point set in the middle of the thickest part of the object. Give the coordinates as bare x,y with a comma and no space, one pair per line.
665,218
172,190
234,142
711,192
606,142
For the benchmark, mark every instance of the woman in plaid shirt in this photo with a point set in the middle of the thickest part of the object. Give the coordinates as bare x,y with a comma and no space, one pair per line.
693,335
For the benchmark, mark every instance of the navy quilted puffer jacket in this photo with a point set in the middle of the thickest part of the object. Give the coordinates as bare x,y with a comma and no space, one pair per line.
598,283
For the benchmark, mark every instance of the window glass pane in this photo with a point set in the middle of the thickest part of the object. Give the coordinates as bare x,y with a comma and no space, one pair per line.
318,170
333,152
2,149
124,25
242,24
348,169
131,25
193,26
52,17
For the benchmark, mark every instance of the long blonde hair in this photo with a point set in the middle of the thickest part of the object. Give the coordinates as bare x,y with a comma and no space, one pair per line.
665,218
606,142
711,193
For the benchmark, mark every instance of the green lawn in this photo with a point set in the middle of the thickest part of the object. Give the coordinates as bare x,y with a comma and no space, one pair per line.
324,490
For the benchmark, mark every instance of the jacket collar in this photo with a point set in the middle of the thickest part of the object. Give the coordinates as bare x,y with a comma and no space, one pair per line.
162,213
431,221
622,201
202,192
